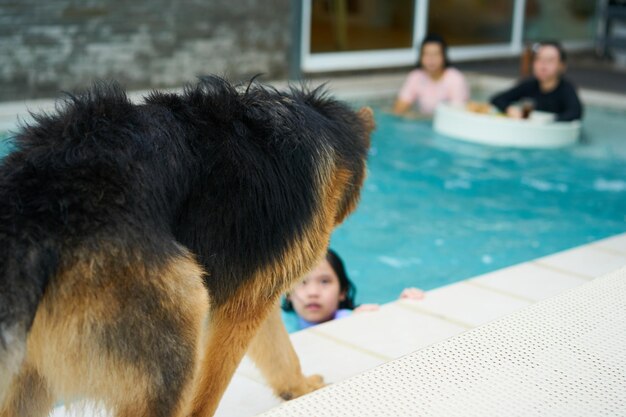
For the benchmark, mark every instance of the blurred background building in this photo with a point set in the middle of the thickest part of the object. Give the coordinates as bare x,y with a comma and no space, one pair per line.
52,45
352,34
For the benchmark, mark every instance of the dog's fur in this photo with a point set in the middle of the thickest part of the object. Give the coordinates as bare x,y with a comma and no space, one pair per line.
144,246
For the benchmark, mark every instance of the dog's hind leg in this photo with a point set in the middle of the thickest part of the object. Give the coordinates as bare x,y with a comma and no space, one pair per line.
273,354
28,395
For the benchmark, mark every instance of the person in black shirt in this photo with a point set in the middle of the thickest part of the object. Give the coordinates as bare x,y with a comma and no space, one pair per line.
547,90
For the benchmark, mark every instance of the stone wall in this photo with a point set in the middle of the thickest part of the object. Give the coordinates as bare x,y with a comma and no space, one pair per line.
52,45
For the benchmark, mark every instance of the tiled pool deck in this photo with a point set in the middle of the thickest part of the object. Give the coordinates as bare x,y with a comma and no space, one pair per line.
344,348
560,357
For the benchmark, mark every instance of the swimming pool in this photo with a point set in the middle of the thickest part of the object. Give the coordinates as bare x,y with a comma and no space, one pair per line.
435,210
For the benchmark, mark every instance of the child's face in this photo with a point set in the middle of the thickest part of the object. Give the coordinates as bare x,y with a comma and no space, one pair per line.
317,297
547,64
432,57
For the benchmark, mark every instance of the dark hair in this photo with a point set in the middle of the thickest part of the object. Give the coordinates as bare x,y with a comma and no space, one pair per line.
556,44
434,38
345,285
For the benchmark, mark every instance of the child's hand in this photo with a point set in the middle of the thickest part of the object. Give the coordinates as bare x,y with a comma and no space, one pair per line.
412,294
514,112
366,307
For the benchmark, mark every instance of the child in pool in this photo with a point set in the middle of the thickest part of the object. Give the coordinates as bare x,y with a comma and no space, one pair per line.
547,90
326,294
433,81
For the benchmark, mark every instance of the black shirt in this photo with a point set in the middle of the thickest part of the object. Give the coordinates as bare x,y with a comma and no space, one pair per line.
563,100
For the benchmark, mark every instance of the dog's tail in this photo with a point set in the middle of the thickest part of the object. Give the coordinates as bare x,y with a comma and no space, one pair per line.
25,269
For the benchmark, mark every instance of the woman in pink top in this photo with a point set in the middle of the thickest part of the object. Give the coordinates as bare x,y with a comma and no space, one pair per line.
433,81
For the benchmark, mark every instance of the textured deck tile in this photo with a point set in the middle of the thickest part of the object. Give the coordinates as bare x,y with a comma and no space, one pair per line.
245,397
469,304
529,281
584,261
615,243
395,330
562,357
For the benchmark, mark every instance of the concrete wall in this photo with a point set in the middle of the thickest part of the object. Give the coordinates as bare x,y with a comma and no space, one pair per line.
52,45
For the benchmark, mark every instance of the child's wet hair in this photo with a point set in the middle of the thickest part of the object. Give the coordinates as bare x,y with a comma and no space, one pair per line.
345,285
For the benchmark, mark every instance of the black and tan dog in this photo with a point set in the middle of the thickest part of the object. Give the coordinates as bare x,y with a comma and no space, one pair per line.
144,247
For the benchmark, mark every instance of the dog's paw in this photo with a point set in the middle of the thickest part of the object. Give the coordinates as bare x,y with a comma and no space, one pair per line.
307,384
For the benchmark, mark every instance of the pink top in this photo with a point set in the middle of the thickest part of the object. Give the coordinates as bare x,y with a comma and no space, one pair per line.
450,88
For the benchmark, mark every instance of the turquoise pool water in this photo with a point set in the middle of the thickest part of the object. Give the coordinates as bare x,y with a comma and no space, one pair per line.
435,210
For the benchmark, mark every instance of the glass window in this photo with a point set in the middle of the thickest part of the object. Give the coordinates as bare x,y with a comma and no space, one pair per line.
471,22
559,20
360,25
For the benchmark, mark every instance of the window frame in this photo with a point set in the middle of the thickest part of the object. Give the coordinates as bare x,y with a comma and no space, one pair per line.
389,58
